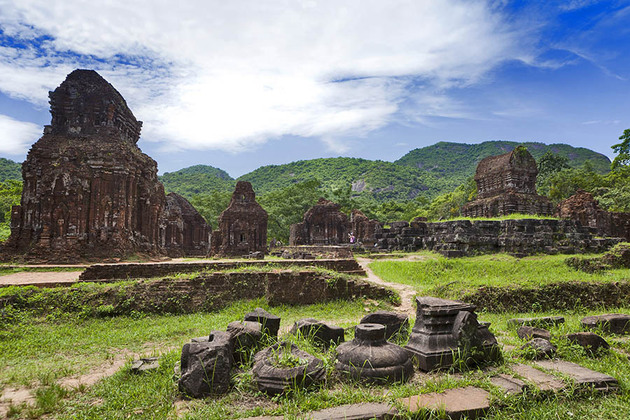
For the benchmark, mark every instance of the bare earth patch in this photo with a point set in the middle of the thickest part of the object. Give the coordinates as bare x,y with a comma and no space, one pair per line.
36,278
407,293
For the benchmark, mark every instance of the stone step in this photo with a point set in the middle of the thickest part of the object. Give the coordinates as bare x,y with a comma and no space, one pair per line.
363,411
582,376
456,403
543,381
508,384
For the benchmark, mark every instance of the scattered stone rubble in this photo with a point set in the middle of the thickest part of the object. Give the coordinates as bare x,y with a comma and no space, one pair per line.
506,184
89,191
283,366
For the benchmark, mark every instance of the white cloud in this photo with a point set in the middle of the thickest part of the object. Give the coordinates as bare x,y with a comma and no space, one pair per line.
17,136
230,75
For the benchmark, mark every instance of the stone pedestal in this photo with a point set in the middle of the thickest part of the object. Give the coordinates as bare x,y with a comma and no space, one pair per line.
445,329
369,357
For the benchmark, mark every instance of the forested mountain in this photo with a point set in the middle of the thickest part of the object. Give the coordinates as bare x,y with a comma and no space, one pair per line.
10,170
371,178
426,172
458,161
198,179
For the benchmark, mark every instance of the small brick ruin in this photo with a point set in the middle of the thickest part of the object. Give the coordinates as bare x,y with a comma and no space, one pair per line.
242,226
326,224
89,191
584,208
186,232
506,184
459,238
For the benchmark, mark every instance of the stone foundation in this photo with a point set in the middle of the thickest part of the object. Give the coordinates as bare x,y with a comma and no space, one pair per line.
214,291
149,270
519,237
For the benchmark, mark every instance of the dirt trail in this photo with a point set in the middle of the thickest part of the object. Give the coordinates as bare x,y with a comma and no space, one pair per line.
24,278
17,396
407,293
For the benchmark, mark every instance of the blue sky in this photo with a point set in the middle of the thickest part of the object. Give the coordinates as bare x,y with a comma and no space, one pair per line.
247,83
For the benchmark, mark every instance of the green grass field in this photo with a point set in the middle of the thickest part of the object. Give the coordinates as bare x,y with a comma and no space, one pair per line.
437,275
40,352
40,349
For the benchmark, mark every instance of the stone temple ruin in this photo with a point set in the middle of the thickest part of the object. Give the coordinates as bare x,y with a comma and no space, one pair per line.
90,192
186,231
326,224
242,226
506,184
584,208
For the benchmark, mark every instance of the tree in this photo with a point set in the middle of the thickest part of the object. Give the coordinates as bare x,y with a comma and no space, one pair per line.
287,206
211,205
549,164
623,150
10,195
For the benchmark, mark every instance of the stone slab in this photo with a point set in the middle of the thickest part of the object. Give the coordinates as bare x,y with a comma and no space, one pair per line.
456,403
542,380
364,411
582,376
508,384
613,323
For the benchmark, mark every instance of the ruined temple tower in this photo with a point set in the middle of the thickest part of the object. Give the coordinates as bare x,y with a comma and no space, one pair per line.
242,226
506,184
89,191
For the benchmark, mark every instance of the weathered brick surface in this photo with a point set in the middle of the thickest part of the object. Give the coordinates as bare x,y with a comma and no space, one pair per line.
213,291
506,184
89,191
242,226
148,270
520,237
583,207
326,224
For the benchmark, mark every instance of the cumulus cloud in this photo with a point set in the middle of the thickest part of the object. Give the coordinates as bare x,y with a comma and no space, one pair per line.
230,75
17,135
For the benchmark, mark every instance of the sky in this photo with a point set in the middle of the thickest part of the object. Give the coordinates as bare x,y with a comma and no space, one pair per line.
245,83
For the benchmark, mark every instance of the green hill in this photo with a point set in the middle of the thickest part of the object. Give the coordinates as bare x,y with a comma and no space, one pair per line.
377,179
455,162
10,170
197,179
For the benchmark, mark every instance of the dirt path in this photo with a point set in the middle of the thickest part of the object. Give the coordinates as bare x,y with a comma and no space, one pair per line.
36,278
17,396
407,293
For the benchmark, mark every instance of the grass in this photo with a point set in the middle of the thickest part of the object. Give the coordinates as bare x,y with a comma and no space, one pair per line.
513,216
40,348
32,356
446,277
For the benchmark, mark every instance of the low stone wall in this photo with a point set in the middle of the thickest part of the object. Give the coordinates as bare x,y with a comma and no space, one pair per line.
551,297
519,237
149,270
205,292
313,251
